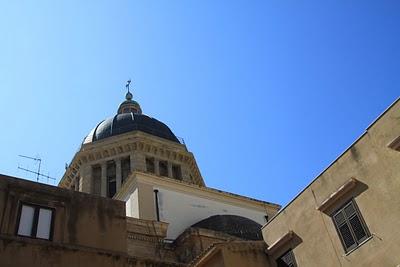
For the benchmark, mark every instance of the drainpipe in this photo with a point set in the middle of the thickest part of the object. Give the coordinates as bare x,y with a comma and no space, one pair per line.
157,209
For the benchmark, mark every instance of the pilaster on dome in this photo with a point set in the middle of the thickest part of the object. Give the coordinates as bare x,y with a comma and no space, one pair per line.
129,105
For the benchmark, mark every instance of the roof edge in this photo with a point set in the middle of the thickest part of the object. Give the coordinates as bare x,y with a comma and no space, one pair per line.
333,162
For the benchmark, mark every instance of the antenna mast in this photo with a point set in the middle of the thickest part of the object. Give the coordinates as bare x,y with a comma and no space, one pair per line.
38,173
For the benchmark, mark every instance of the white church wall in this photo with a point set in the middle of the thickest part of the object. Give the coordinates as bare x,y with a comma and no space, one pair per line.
182,210
132,204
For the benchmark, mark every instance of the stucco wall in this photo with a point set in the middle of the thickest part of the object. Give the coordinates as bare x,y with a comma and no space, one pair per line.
81,221
235,254
376,168
37,254
182,210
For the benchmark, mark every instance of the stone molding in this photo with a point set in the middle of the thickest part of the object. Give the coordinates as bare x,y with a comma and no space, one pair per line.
124,145
335,196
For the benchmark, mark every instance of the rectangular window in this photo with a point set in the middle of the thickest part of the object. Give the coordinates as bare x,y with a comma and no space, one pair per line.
35,222
76,185
125,168
111,179
150,165
350,226
96,182
287,260
176,172
163,167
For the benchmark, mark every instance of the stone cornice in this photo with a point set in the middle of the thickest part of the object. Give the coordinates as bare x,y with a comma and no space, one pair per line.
282,241
126,143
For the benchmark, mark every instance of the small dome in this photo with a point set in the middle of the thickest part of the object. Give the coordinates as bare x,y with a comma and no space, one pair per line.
232,225
128,122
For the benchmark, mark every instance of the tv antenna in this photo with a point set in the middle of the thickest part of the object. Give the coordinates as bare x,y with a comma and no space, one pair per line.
38,173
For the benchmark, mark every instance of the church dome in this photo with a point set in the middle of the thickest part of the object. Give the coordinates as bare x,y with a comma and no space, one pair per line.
232,225
128,122
128,119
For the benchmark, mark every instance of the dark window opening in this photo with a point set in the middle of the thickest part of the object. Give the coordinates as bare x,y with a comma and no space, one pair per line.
96,180
111,179
163,167
150,165
35,222
287,260
125,168
350,226
77,183
176,172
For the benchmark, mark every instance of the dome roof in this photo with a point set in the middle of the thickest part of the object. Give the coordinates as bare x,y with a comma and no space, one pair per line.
128,119
232,225
127,122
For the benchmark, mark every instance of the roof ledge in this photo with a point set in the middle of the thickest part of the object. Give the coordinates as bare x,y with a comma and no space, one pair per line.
335,196
280,242
395,144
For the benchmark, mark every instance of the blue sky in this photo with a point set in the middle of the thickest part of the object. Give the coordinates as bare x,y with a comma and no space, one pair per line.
265,93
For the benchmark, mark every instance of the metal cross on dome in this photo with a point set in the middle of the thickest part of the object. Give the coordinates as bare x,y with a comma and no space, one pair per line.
128,82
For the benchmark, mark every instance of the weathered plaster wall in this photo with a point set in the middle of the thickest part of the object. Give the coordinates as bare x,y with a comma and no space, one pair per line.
36,254
80,220
234,254
377,168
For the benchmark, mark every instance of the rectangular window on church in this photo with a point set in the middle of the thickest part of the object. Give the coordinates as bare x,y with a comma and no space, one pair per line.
111,179
35,222
77,181
150,165
176,172
125,168
287,260
350,226
96,180
163,167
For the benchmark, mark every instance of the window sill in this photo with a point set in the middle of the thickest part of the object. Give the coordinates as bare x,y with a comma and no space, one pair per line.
354,249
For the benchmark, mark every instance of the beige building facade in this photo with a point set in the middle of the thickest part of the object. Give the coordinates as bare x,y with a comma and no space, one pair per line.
348,215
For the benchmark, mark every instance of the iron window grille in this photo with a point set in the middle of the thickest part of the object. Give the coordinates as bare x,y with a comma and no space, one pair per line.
35,221
287,260
350,225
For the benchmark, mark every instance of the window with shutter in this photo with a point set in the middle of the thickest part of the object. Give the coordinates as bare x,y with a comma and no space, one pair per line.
350,226
287,260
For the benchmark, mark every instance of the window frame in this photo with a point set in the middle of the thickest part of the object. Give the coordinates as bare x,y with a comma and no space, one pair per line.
111,178
177,172
96,179
289,251
125,162
150,165
163,168
346,218
35,221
